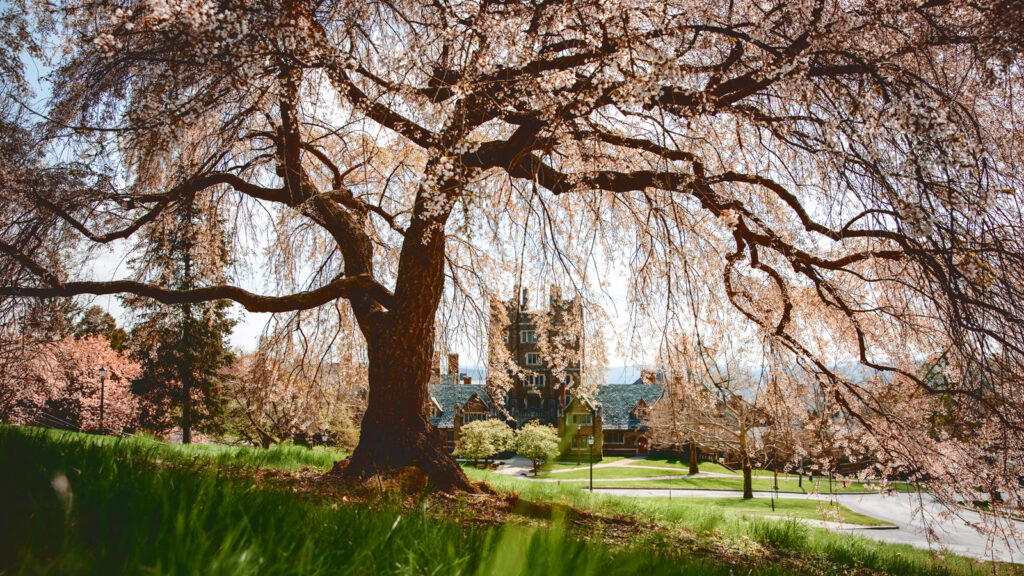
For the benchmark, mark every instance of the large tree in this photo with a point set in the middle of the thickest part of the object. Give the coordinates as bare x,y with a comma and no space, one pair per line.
849,169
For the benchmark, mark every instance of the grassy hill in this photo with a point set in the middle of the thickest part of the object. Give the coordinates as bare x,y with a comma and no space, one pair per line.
78,504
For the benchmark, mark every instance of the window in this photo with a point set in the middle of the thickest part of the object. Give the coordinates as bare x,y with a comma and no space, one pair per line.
581,419
616,437
535,380
527,337
435,412
504,337
580,443
533,359
450,436
473,416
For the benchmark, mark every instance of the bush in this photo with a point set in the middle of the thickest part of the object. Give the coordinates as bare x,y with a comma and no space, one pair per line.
537,442
483,439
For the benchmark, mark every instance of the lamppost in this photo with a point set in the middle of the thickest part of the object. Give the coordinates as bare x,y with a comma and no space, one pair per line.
590,441
103,380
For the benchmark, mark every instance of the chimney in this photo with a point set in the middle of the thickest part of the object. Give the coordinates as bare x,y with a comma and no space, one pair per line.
435,363
556,295
524,300
648,377
453,366
467,379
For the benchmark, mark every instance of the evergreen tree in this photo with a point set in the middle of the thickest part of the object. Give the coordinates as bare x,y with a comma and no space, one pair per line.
96,321
183,348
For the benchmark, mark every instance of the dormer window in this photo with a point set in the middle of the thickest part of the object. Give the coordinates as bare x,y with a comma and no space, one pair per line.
435,412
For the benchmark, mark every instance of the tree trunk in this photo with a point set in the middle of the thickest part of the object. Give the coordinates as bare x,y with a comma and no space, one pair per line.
694,469
396,431
748,480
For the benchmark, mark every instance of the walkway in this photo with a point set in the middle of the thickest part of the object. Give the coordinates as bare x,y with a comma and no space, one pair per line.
920,521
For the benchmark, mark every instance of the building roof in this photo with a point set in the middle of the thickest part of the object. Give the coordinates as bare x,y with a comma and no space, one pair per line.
618,400
447,394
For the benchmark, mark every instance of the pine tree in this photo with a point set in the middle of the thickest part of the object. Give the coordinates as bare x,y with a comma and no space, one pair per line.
183,348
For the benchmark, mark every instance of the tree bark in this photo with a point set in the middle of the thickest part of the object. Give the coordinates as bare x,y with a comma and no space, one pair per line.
694,469
396,431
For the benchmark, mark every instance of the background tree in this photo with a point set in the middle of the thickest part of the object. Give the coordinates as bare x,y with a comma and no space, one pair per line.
96,321
833,164
483,439
183,349
537,442
58,384
271,399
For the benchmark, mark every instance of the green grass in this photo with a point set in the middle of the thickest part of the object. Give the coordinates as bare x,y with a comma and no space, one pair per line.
760,507
610,472
713,483
841,551
665,462
283,457
76,504
571,463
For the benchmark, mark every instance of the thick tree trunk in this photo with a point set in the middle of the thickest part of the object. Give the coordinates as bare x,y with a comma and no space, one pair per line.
396,431
748,481
694,469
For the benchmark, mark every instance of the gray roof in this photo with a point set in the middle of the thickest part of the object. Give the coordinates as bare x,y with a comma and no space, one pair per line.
448,394
618,400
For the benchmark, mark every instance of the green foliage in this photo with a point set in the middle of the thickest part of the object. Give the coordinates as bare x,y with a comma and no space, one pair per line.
183,349
483,439
96,321
537,442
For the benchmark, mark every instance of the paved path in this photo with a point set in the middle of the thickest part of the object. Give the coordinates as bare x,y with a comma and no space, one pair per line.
909,514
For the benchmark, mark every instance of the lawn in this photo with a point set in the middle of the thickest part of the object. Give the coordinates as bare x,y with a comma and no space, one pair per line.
665,462
609,472
678,508
76,504
568,464
735,483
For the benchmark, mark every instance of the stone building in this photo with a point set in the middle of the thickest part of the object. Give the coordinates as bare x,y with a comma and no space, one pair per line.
537,394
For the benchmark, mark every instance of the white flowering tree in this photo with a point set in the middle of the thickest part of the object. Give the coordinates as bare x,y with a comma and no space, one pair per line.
848,170
483,439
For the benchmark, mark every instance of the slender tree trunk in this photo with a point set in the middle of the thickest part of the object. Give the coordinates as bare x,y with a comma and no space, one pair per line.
694,469
748,480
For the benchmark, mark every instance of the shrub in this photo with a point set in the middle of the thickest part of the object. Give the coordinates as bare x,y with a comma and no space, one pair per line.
483,439
537,442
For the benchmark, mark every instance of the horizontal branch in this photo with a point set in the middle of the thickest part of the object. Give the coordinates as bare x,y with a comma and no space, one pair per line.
338,288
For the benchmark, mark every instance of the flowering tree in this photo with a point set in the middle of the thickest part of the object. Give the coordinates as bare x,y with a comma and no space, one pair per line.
483,439
537,442
272,399
839,163
59,383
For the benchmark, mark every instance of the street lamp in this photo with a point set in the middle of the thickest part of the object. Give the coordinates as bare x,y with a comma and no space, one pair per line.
590,442
103,380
